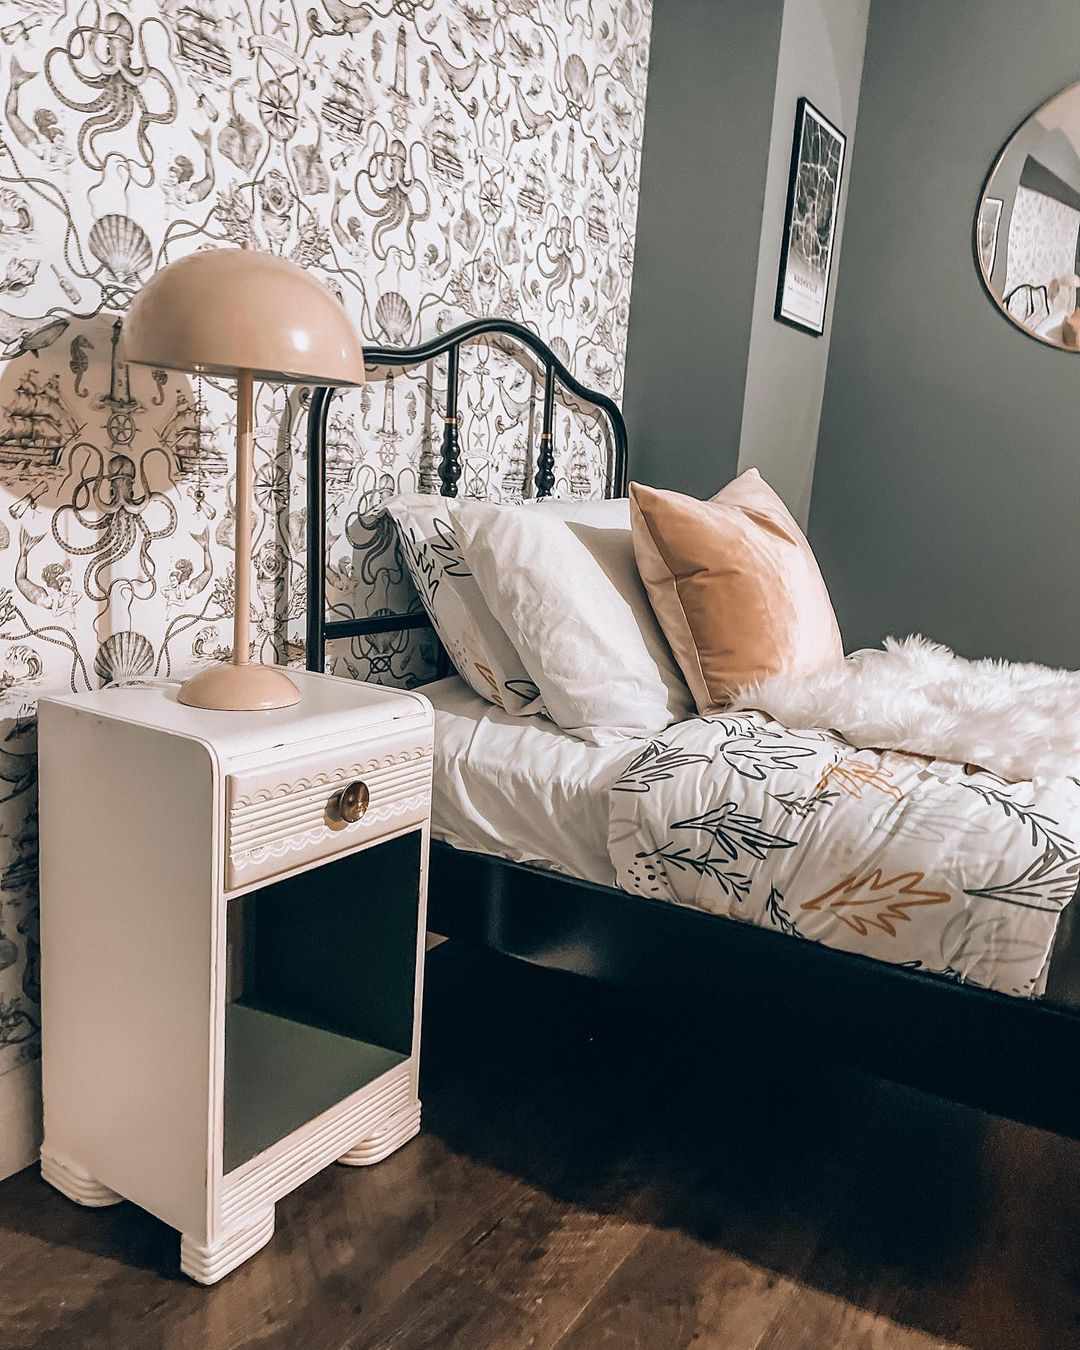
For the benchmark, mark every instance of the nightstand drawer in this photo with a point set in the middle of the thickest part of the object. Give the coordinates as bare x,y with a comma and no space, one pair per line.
295,812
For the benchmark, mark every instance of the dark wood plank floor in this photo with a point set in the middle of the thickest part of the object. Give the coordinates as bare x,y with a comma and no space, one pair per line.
590,1176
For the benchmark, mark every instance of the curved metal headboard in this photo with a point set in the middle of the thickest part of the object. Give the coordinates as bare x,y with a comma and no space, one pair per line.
320,630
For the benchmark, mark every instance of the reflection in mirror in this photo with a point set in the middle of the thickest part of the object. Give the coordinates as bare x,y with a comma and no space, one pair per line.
1027,226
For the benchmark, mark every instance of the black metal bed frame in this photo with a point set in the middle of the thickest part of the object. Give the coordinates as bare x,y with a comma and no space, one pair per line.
1018,1057
320,630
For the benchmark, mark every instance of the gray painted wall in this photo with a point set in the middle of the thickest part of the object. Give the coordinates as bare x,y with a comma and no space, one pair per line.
821,56
708,116
947,487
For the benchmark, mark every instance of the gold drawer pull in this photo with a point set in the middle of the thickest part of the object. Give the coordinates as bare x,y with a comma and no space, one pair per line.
353,801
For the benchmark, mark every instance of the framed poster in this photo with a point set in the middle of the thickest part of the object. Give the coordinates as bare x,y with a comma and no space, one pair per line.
817,169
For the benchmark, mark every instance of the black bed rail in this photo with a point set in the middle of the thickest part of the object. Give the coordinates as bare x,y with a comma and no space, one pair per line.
320,629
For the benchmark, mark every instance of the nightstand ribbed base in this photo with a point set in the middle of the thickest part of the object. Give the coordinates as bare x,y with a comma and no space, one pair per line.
206,1263
375,1147
78,1185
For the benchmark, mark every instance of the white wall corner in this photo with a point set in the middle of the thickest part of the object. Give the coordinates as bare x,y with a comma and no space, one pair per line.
822,43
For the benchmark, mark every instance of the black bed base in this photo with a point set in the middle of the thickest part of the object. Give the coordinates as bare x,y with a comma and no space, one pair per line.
1016,1057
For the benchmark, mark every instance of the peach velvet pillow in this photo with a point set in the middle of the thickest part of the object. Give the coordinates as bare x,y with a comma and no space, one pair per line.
734,585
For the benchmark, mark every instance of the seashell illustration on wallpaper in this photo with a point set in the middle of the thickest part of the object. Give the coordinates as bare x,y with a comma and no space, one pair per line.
561,350
124,658
430,162
121,246
393,318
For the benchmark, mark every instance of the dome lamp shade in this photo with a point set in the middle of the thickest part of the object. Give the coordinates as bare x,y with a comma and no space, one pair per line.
231,309
243,315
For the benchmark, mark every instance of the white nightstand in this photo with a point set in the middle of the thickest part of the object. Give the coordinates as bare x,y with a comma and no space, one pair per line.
231,966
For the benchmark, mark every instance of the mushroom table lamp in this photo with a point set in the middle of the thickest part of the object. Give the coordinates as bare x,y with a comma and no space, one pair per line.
248,316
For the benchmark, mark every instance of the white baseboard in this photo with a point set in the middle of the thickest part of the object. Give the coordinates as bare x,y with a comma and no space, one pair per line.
20,1117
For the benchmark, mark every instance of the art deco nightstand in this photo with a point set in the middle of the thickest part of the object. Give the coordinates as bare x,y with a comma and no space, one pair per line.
232,926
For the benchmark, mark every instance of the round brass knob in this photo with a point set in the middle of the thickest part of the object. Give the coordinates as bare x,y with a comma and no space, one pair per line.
353,801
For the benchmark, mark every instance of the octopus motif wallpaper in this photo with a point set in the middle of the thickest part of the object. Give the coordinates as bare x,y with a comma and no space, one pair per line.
430,160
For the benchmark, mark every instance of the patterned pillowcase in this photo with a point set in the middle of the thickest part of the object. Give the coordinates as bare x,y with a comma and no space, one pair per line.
481,652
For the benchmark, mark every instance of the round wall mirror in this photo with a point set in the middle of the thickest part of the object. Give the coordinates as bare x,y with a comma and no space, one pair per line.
1027,227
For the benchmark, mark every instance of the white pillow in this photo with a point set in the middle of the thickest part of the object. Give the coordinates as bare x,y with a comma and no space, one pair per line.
562,581
480,650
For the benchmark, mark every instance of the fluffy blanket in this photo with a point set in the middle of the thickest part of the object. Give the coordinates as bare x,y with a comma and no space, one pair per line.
1018,721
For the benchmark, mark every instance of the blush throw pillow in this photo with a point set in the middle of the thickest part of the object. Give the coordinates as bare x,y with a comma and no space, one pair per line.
734,585
562,582
481,652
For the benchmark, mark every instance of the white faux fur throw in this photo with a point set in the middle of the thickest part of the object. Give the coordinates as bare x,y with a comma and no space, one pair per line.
1015,720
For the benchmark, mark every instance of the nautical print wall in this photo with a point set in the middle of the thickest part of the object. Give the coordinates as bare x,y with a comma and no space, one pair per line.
429,159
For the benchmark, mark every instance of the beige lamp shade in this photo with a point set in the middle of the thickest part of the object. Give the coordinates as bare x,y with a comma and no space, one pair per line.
231,309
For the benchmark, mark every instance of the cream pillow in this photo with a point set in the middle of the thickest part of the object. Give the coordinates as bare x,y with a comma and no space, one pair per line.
480,650
735,586
561,580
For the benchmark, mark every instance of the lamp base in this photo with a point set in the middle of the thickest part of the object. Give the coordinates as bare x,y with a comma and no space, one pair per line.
246,688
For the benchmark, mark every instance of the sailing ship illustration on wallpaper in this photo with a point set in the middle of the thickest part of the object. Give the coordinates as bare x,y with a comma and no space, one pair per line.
580,475
191,435
533,193
37,424
443,144
349,105
340,452
198,42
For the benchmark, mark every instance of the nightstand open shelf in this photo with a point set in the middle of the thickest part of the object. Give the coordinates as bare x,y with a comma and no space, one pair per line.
302,1031
279,1074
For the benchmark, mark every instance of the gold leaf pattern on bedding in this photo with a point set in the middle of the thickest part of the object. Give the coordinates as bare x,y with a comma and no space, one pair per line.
852,775
878,845
890,897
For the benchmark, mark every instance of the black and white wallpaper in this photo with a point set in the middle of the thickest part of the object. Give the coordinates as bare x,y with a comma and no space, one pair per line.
430,160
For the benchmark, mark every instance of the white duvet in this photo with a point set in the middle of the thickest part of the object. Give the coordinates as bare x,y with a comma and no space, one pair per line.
519,787
942,868
918,862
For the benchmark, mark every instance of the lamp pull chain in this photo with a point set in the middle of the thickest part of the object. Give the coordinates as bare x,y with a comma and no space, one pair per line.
245,484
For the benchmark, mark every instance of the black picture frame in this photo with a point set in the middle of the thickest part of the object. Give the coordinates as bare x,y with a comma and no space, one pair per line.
815,184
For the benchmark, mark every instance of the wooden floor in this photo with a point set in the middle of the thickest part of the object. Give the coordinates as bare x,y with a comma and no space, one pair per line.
591,1177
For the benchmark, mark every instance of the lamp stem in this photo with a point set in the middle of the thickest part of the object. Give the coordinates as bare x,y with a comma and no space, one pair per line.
245,484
